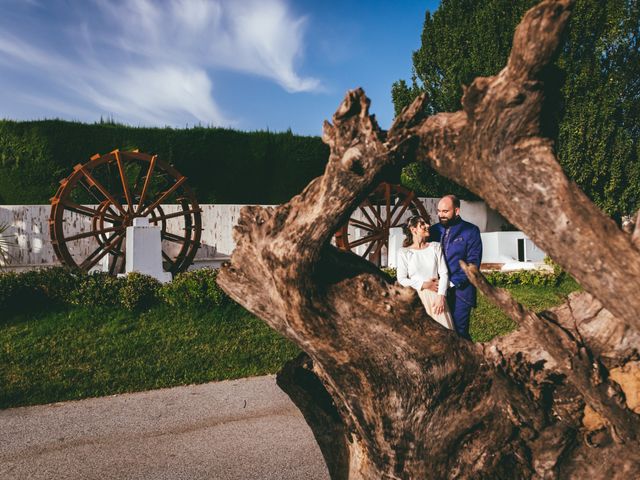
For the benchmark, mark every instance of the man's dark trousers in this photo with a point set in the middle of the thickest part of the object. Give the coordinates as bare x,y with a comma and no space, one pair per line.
460,312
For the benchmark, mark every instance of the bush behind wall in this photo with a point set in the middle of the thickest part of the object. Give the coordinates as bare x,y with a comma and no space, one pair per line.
222,165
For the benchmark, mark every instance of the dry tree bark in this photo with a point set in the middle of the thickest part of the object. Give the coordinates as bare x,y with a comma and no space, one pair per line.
387,391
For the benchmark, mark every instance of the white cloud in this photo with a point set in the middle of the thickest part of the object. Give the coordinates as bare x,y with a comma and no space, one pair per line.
265,46
258,37
156,93
14,48
154,62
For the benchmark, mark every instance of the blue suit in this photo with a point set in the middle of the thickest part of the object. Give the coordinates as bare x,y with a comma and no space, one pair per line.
461,243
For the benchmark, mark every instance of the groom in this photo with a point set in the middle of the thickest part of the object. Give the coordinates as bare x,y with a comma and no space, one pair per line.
460,241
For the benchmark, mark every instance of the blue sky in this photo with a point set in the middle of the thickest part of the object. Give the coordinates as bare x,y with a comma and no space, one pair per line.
245,64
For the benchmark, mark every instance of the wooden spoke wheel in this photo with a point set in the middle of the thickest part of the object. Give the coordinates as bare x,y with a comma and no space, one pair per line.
367,231
99,200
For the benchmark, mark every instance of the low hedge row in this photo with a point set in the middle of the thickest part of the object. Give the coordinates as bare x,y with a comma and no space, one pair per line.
537,278
59,286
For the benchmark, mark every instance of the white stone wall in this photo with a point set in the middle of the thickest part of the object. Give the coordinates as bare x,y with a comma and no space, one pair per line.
29,233
502,247
29,230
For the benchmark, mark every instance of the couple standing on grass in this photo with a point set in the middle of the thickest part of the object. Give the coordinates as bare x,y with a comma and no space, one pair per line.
429,262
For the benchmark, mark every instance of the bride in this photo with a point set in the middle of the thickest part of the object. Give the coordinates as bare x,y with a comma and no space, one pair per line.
421,266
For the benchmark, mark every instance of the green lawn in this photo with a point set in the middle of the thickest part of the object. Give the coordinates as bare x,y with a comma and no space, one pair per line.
82,353
488,321
77,353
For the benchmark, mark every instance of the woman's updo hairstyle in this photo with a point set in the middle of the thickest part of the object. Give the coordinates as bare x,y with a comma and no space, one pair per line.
406,228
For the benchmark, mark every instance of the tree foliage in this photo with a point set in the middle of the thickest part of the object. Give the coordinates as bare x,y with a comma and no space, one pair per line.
593,88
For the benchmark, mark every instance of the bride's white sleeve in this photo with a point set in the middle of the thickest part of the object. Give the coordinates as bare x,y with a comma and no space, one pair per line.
443,273
403,272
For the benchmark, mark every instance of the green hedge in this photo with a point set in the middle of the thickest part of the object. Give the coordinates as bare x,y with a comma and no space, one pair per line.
537,278
61,286
222,165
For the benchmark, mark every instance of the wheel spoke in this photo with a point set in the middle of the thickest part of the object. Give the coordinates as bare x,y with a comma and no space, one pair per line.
368,203
164,195
95,183
363,240
166,216
364,212
95,197
88,211
100,252
405,204
123,180
93,233
377,253
147,180
168,262
166,257
171,237
379,215
364,226
366,252
117,254
387,203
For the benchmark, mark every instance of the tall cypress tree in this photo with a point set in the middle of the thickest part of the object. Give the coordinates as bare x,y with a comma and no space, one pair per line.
593,90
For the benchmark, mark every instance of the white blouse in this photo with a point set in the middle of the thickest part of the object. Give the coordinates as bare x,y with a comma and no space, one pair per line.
417,266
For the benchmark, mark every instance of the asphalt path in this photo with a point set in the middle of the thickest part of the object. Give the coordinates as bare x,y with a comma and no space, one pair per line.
234,430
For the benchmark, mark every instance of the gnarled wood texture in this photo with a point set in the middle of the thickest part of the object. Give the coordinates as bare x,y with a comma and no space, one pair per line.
410,399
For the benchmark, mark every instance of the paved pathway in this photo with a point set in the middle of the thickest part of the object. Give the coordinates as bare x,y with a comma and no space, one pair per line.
234,430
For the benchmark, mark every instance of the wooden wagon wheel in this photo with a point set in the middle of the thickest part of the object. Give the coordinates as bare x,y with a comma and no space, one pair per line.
383,209
99,200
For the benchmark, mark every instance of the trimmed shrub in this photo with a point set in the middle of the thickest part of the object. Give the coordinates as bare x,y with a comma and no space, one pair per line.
536,278
37,288
96,290
195,288
13,292
54,284
138,291
27,291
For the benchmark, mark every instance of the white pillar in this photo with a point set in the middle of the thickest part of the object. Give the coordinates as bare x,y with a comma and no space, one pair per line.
144,250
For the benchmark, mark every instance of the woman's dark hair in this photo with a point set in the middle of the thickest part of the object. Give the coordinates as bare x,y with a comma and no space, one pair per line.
406,228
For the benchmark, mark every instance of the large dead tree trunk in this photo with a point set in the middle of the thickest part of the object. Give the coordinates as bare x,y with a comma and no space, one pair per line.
399,396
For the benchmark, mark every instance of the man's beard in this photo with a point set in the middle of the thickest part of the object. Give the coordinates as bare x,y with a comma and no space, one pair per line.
445,221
